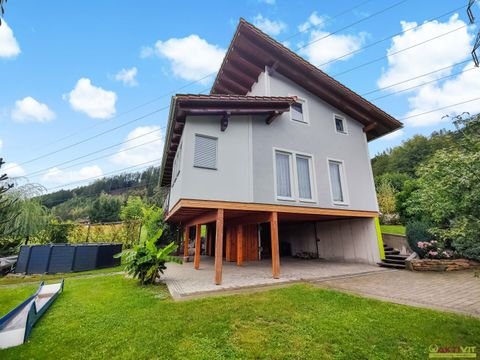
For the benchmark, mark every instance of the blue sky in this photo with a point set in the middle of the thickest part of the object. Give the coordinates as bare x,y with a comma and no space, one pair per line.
71,70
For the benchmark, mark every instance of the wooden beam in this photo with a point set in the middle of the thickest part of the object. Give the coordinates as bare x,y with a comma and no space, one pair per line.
205,218
256,218
370,127
272,117
219,247
275,245
208,240
239,245
198,246
185,243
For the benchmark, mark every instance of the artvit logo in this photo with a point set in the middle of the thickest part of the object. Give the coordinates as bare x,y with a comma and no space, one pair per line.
452,352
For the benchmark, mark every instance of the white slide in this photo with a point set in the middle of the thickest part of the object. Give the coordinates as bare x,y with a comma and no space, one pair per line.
15,327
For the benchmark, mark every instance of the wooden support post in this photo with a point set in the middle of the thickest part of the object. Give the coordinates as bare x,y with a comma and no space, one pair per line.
185,243
219,247
239,245
207,239
275,246
198,246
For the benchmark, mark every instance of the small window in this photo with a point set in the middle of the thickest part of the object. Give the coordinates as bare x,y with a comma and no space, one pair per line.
205,152
283,174
298,111
340,124
304,177
337,181
176,163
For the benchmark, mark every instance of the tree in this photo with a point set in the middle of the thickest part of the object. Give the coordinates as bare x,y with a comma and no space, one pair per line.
132,214
8,209
106,208
33,218
2,10
449,191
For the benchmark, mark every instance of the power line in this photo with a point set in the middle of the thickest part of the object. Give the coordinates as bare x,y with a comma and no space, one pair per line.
390,37
414,78
353,24
396,52
104,175
423,84
441,108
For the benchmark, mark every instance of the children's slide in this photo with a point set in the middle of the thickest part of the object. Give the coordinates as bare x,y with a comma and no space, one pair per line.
15,327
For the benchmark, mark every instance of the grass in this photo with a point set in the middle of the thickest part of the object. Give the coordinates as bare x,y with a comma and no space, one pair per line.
16,279
113,317
393,229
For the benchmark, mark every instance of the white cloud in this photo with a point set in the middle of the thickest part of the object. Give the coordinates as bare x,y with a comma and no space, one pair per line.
314,20
394,135
1,144
464,87
127,76
271,27
152,149
29,109
331,47
92,100
13,170
8,44
190,57
436,54
58,176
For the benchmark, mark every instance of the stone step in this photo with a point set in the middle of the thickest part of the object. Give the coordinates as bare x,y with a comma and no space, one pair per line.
393,261
392,252
393,266
397,257
387,248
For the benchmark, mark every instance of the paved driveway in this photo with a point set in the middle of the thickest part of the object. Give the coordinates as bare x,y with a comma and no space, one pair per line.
184,281
457,291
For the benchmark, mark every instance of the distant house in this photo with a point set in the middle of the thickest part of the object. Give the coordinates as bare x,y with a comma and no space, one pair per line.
275,160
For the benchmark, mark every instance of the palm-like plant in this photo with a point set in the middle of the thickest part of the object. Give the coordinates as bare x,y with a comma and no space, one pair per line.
146,261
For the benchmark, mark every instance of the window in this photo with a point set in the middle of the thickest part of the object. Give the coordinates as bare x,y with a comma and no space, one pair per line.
303,174
340,124
293,171
298,111
337,181
283,174
205,155
176,164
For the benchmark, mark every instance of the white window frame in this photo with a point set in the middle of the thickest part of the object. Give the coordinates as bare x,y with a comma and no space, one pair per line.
343,182
294,189
177,162
292,179
306,118
216,153
344,120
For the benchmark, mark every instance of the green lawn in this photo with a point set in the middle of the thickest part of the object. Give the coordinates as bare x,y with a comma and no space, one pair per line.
15,279
393,229
111,317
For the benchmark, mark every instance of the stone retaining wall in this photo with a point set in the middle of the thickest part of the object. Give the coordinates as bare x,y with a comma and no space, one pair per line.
443,264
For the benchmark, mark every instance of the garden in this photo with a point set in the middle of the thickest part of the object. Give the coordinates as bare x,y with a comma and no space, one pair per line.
429,189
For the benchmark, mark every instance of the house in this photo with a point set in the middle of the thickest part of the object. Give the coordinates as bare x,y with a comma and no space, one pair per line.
274,160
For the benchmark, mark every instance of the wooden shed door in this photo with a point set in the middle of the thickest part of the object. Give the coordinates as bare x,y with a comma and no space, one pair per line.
250,243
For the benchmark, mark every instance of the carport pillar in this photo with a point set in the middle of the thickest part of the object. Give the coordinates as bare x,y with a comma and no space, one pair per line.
219,247
275,246
239,245
185,243
198,245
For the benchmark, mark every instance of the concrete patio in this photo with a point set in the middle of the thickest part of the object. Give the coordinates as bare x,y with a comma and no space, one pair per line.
184,281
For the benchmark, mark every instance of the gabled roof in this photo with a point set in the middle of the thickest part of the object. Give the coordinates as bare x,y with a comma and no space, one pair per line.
251,50
266,107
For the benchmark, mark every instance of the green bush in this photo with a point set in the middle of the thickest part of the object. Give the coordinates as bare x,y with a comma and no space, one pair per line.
418,231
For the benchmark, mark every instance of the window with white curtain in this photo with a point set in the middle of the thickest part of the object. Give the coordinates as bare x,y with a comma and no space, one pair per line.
304,177
337,181
283,174
294,176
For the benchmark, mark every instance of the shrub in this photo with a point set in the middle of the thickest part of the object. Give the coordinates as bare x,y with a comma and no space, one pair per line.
417,231
434,250
146,261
